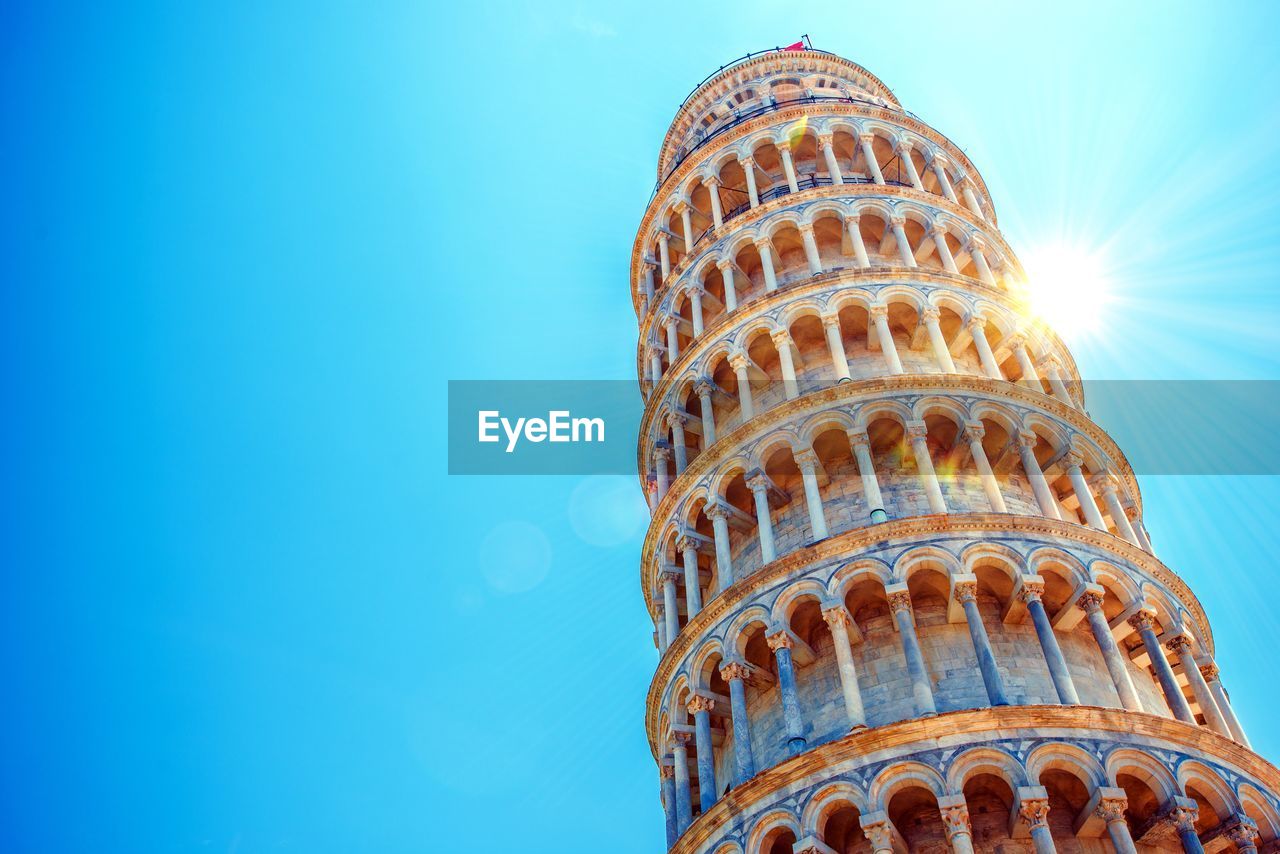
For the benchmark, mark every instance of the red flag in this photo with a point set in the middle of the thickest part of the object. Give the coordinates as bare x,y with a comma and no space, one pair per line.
797,46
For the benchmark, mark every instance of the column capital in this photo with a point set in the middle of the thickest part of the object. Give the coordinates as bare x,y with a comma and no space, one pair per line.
1034,812
917,430
1178,644
1243,832
930,312
698,703
779,640
955,819
761,242
836,615
685,542
1144,619
868,138
903,146
1089,602
1027,438
1104,482
899,600
974,431
852,217
859,438
680,740
897,221
937,228
1184,813
975,321
879,834
711,181
829,319
703,386
734,670
1072,460
966,591
757,481
714,510
662,451
825,140
1031,590
746,161
675,419
724,264
1111,809
671,574
805,228
1210,672
878,310
738,360
667,772
805,459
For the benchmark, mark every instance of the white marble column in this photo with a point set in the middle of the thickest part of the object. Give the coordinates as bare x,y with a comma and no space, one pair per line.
837,618
973,433
730,292
759,486
939,170
670,608
835,343
811,249
904,155
749,171
695,309
1180,646
898,224
931,316
1213,679
884,336
686,221
939,235
1039,484
971,199
788,168
807,462
855,239
782,342
980,261
673,342
676,422
829,155
977,328
861,445
869,155
720,530
1080,486
918,435
1029,376
765,248
688,549
664,256
1111,498
739,361
712,183
703,388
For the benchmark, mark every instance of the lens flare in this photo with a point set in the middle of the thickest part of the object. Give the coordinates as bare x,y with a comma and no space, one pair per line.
1067,288
795,133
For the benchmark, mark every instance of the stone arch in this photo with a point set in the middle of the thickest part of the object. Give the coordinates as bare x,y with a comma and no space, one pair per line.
925,557
1143,767
985,760
853,573
828,798
766,825
1060,756
735,638
1256,805
903,775
702,659
790,598
1194,774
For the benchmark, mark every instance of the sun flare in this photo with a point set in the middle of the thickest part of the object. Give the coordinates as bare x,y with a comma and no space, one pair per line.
1067,287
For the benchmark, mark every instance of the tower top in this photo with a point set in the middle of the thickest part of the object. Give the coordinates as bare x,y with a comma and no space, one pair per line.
757,82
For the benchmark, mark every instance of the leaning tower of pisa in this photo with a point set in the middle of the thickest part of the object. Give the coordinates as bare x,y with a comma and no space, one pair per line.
902,593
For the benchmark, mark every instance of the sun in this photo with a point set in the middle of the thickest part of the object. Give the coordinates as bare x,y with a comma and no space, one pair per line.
1067,287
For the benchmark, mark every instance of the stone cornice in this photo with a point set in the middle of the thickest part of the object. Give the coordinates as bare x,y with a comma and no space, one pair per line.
853,544
702,97
956,730
833,108
857,391
808,196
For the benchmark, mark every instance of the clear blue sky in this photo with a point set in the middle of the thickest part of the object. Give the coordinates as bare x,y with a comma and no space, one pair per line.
245,246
